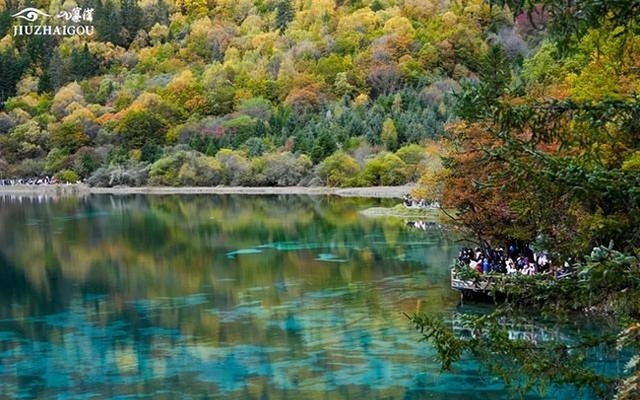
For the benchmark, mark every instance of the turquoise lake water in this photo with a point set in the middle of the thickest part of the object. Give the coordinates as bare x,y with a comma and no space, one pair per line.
223,297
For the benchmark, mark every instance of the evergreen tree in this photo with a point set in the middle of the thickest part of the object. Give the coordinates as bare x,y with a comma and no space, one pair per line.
83,63
158,14
324,146
376,5
284,15
150,152
45,83
5,22
57,72
131,20
11,68
36,50
107,22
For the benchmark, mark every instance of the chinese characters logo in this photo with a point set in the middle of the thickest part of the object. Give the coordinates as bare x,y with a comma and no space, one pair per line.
76,15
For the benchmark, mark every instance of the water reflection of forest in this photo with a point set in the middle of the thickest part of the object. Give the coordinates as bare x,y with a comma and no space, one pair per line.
132,247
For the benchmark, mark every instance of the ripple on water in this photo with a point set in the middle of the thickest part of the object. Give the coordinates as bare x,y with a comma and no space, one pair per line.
332,293
239,313
330,257
170,303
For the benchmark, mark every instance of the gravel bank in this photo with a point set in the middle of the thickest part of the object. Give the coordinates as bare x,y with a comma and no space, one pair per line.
80,189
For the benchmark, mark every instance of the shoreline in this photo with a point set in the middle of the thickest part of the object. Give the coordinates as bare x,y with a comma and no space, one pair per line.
82,190
429,214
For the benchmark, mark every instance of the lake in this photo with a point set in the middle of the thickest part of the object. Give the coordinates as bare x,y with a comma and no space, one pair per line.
229,297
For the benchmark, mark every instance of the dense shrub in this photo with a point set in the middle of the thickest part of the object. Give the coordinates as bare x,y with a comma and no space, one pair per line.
165,170
28,167
116,175
235,166
85,161
280,169
385,169
412,155
186,168
138,128
56,161
67,175
338,169
6,123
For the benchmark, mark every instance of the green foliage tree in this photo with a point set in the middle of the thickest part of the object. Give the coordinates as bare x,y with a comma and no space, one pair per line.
67,175
56,73
150,152
413,156
36,50
68,136
255,147
389,135
139,128
85,162
24,141
28,167
56,160
239,129
339,169
386,169
156,14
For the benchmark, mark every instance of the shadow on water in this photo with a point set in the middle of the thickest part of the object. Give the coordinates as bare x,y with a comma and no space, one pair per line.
13,283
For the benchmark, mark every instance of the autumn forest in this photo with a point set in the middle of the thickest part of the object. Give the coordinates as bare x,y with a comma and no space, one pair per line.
250,92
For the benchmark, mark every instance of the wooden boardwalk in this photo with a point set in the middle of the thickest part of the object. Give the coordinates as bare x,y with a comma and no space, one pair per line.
479,286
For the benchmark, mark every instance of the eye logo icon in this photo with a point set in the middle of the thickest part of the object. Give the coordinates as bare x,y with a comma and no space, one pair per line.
30,14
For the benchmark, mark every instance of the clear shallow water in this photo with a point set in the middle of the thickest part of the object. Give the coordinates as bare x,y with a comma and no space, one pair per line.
272,297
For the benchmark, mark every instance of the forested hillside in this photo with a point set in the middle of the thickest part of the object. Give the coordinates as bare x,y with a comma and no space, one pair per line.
243,92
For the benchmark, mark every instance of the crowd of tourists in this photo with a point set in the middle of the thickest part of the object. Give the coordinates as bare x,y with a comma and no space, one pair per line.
410,202
423,225
45,180
514,259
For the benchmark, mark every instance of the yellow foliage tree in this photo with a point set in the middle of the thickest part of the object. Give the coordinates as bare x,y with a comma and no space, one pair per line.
158,33
71,93
389,134
419,9
193,7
